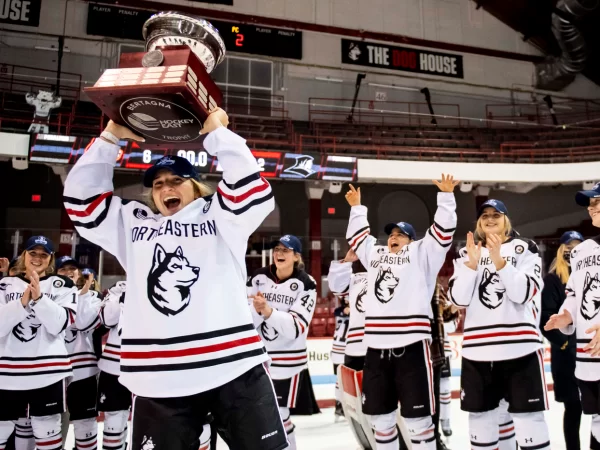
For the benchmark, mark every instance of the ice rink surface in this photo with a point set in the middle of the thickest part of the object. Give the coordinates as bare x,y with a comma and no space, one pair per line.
320,432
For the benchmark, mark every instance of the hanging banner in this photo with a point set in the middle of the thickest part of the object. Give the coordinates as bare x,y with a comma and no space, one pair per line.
20,12
406,59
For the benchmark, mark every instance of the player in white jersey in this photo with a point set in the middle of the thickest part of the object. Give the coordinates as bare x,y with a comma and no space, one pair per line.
283,303
401,281
579,314
349,277
35,310
188,343
82,390
338,346
498,280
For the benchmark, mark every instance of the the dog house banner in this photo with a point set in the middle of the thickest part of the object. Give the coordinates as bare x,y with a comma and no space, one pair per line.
361,53
20,12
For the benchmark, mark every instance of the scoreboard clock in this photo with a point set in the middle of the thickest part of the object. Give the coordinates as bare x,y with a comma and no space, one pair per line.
54,149
126,23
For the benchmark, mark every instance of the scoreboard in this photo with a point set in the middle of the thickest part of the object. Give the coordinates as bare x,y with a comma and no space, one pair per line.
54,149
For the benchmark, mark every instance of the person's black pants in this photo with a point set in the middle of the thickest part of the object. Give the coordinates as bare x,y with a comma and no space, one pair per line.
437,375
571,423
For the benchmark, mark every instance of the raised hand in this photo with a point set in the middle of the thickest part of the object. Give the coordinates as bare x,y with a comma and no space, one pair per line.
350,256
561,320
493,244
4,263
89,279
217,118
34,284
353,196
473,252
447,184
26,297
593,347
122,132
261,306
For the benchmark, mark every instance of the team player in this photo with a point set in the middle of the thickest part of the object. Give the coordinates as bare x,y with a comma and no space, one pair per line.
401,282
497,278
180,355
349,276
579,313
82,389
338,348
36,308
283,303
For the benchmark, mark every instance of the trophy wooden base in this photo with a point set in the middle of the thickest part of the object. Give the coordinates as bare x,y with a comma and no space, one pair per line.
166,104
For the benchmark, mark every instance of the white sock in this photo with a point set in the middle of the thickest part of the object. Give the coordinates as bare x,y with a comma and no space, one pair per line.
47,432
24,435
531,430
86,434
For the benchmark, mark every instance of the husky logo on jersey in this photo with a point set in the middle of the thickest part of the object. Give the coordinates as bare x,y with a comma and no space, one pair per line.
147,443
359,299
302,166
491,293
26,330
102,398
268,333
590,303
70,335
170,280
385,285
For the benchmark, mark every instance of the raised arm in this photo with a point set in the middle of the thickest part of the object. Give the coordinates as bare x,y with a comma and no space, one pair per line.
340,274
110,310
88,308
461,286
358,234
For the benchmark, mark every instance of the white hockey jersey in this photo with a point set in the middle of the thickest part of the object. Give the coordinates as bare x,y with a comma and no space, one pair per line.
284,332
583,303
449,327
400,285
341,279
32,340
338,346
186,325
78,337
111,312
500,322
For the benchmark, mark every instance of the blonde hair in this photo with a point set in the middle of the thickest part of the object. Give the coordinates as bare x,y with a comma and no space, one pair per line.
480,234
200,190
20,264
560,266
300,263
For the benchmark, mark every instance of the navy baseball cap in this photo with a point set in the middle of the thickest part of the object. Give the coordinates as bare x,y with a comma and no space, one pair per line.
64,260
290,241
176,164
583,197
405,228
40,241
571,236
492,203
88,271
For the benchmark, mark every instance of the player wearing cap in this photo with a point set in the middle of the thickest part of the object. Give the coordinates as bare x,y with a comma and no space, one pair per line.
579,314
183,256
563,348
82,390
283,303
498,279
36,308
401,282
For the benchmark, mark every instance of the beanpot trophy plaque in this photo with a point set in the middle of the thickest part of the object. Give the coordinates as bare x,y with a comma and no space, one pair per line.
166,93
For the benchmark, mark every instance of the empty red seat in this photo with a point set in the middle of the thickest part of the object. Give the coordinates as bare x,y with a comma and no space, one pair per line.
330,326
318,327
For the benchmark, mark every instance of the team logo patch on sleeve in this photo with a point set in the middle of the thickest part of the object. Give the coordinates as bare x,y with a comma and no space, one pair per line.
519,249
385,285
590,302
294,286
491,292
170,280
58,283
3,286
140,213
207,206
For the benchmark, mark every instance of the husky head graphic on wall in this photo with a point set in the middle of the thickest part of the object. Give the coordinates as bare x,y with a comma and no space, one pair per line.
590,302
385,285
354,51
360,307
268,333
27,329
170,280
491,292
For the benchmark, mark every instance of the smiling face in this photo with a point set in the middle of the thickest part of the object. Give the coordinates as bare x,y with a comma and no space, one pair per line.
171,193
594,211
70,271
492,222
284,257
397,240
37,260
